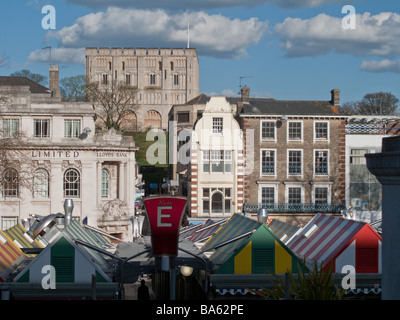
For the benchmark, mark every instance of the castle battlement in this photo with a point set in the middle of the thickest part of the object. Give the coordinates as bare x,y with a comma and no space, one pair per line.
104,51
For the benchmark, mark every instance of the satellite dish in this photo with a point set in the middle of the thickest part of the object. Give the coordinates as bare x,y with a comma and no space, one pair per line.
83,136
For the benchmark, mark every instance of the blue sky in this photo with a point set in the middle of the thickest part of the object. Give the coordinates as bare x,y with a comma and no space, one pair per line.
289,49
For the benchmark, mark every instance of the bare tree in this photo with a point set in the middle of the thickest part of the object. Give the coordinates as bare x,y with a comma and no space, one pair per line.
113,102
73,88
380,103
15,165
35,77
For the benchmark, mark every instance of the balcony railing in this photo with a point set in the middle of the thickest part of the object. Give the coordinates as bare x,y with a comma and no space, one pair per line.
295,207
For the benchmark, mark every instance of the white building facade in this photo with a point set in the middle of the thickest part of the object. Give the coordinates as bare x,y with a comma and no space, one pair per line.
64,158
216,170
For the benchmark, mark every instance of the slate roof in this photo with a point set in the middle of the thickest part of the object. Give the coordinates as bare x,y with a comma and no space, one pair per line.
23,81
289,107
271,106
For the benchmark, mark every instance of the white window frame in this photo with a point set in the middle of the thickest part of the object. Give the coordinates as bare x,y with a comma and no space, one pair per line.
7,221
41,188
261,162
327,139
217,128
105,185
315,151
262,184
10,131
66,183
295,185
10,189
301,131
327,185
221,190
302,163
72,134
40,133
207,156
261,131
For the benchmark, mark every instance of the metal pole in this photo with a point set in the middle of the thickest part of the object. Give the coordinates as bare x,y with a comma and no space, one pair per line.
205,268
172,280
93,287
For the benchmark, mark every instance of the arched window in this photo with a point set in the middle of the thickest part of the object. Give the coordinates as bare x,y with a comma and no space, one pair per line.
10,183
217,202
152,79
105,183
41,183
72,184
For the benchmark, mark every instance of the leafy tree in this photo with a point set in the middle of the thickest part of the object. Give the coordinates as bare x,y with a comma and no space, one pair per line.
73,88
35,77
316,284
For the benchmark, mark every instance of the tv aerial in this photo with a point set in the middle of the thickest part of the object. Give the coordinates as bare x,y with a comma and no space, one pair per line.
240,81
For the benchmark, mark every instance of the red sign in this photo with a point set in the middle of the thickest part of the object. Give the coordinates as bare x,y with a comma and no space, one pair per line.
165,214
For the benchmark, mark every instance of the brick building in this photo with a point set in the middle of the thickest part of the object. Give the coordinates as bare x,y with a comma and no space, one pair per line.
295,156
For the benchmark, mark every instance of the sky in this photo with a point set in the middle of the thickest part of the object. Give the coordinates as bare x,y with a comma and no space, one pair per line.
287,50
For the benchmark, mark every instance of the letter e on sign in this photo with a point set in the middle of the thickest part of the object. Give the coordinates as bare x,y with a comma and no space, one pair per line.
160,216
165,215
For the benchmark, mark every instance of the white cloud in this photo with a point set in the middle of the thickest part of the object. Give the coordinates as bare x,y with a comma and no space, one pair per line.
58,55
385,65
374,35
200,4
213,35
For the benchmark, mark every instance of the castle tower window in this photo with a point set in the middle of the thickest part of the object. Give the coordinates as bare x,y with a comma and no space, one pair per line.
152,79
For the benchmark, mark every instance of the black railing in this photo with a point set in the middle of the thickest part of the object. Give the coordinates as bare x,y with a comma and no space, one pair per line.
295,207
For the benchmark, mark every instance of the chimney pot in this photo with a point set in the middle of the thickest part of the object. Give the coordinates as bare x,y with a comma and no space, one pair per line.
54,82
245,92
335,97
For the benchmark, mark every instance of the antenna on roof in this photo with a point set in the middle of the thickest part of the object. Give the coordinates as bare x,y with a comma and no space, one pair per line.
49,47
188,30
240,80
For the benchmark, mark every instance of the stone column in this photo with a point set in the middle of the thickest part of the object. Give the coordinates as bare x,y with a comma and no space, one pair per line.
99,183
386,167
121,181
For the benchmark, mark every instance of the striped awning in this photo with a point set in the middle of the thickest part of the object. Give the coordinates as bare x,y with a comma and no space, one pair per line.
10,255
19,236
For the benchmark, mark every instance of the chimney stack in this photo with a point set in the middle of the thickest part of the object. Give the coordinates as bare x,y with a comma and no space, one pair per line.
53,82
245,92
68,208
335,93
